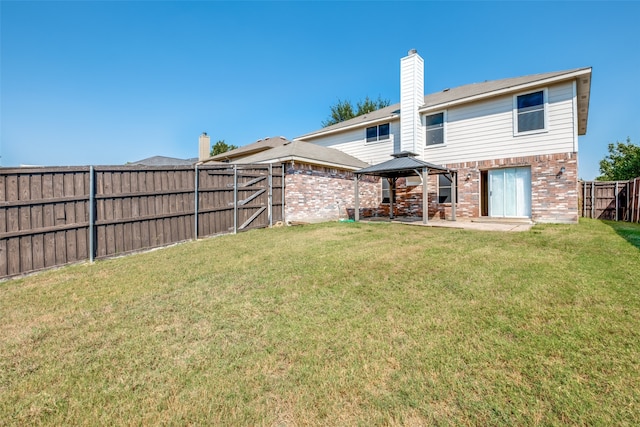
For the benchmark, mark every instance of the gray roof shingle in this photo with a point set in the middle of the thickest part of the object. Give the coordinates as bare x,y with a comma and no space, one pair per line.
245,150
164,161
402,164
457,94
305,152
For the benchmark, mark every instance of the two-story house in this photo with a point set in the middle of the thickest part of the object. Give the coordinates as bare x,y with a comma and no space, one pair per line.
513,143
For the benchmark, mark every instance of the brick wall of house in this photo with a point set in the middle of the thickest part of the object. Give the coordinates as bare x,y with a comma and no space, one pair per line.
554,196
316,193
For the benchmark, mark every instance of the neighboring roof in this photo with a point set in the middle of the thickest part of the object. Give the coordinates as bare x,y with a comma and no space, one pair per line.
402,164
305,152
473,92
164,161
245,150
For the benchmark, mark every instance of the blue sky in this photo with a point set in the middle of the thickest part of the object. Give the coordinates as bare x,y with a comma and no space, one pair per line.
109,82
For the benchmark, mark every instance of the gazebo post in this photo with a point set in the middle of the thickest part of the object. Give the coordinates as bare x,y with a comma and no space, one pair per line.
356,213
454,194
392,195
425,196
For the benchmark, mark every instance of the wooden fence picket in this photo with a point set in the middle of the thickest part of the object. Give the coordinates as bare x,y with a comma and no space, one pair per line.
613,200
60,215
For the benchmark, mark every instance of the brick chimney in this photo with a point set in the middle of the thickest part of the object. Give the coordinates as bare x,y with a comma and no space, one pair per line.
204,147
411,98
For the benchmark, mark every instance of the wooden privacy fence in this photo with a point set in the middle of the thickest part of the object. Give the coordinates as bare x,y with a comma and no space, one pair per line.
613,200
60,215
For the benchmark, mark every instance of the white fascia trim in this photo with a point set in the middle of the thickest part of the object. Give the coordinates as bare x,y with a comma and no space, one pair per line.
518,88
350,127
310,161
574,116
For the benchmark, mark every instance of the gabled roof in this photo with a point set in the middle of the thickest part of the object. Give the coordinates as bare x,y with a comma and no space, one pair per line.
402,164
303,152
164,161
474,92
246,150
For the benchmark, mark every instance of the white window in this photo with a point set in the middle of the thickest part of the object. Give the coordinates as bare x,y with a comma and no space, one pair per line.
378,133
435,128
530,112
445,182
386,195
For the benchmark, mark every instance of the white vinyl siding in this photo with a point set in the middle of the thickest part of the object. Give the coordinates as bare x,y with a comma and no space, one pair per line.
354,143
484,130
411,98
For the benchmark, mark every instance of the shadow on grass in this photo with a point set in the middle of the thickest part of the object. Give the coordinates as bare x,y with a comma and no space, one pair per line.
627,230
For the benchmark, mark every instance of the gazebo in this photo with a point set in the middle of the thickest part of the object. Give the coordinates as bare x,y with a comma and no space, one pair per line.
405,164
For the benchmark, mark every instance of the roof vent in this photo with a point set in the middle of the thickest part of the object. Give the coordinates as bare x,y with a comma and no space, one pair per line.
403,154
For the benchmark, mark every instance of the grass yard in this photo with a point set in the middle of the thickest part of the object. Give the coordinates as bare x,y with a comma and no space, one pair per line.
334,324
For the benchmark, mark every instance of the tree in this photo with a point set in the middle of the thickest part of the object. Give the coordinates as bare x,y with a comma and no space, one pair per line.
368,105
221,147
340,112
622,163
343,110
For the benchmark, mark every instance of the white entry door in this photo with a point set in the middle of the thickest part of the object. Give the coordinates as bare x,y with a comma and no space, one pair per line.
510,192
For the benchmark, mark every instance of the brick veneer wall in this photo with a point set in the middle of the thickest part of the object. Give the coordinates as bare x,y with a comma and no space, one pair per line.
316,193
554,197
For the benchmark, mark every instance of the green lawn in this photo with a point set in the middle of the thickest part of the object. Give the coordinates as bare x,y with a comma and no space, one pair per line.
334,324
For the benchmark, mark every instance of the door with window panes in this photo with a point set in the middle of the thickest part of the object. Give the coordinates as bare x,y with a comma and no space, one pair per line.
510,193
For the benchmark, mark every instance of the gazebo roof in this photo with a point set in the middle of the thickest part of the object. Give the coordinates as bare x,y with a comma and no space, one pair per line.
402,164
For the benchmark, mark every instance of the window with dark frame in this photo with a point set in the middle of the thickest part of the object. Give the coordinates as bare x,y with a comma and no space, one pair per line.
445,182
530,111
435,129
378,133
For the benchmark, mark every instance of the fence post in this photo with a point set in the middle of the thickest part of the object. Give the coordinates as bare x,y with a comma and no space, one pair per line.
235,199
632,204
627,188
195,206
92,220
270,195
584,199
636,189
593,199
615,192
